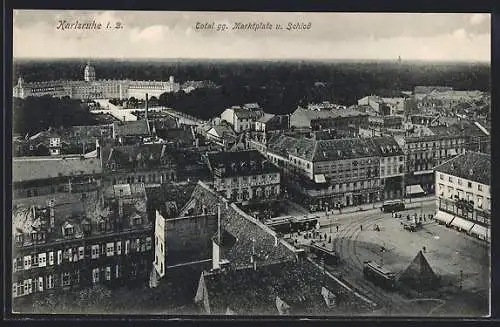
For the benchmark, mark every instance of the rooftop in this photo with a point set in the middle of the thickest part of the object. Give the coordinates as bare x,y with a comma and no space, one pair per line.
471,166
131,128
39,168
135,156
303,117
240,163
267,248
301,285
169,198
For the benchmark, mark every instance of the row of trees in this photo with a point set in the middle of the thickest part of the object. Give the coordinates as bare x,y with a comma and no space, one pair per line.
33,114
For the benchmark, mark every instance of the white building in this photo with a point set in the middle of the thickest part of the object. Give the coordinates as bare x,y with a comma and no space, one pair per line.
463,197
91,88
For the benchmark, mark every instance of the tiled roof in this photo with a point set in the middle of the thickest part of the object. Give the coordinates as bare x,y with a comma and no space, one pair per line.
299,284
240,163
341,149
37,168
266,118
247,113
303,117
135,156
131,128
387,146
244,228
472,166
223,129
163,196
77,212
284,145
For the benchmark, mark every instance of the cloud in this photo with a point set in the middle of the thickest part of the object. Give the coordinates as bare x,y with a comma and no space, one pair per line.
460,34
477,19
155,33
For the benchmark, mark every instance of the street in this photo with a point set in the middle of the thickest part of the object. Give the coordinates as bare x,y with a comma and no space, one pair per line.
461,261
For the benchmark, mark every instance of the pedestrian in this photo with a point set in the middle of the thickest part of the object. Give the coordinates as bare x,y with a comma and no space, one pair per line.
325,236
337,228
330,239
361,227
423,248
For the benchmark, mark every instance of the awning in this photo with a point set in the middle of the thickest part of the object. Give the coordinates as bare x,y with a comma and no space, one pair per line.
462,223
481,231
414,189
444,217
319,178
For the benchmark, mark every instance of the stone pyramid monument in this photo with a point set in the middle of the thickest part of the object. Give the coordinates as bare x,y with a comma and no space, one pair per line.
419,274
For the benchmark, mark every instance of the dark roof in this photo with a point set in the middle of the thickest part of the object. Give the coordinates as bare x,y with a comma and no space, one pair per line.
472,166
284,145
240,163
247,113
178,135
244,228
266,118
299,284
387,146
342,149
131,128
37,168
162,197
135,156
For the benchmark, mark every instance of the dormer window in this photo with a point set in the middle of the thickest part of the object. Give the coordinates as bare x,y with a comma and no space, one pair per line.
19,238
68,230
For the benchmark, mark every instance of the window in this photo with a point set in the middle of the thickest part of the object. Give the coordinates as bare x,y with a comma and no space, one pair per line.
59,257
81,253
108,273
95,275
459,181
51,258
479,187
117,271
450,179
110,249
94,251
40,284
66,279
127,246
14,289
119,247
469,184
42,260
161,248
35,261
27,262
148,243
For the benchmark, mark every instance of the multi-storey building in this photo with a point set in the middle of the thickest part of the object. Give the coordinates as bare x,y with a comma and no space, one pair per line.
391,167
99,241
244,176
325,174
428,147
242,118
463,193
90,88
137,164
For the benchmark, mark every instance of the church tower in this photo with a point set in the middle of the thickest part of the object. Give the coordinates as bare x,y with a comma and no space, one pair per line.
89,73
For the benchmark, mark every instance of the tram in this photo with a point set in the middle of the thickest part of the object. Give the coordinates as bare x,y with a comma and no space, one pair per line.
378,275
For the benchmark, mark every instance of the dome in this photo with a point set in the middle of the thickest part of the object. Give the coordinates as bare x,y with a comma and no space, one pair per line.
89,73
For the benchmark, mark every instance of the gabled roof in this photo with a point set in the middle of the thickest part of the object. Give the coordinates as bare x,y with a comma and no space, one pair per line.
266,117
130,155
473,166
303,117
247,113
387,146
298,284
284,145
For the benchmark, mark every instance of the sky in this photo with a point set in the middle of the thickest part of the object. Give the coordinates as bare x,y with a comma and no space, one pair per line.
168,34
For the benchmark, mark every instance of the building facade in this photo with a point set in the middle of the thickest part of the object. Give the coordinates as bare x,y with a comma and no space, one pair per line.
244,176
463,193
91,88
108,242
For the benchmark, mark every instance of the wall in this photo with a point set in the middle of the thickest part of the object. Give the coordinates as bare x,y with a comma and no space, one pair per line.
189,238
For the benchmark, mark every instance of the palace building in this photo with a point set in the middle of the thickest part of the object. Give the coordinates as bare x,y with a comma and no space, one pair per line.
91,88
